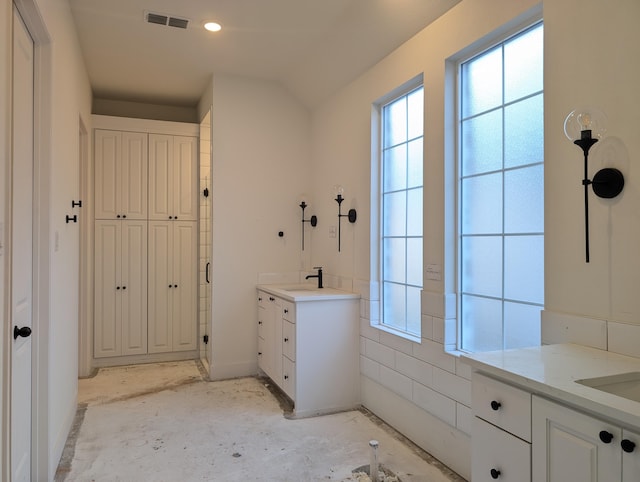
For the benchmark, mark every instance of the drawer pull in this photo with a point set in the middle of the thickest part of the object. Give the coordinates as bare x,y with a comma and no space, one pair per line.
286,311
286,340
606,437
259,323
286,377
495,473
628,446
495,405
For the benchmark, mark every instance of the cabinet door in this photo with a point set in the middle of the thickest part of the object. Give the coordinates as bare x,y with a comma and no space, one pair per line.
630,456
107,331
133,176
267,359
160,287
185,264
567,446
134,287
160,176
289,340
496,454
107,150
184,191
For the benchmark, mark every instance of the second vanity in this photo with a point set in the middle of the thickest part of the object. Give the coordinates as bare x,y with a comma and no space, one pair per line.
555,413
308,344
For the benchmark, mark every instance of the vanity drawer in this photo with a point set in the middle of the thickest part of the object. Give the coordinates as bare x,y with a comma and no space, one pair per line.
289,311
289,340
262,299
498,455
503,405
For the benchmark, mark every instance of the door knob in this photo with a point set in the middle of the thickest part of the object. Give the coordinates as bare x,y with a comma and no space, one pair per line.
24,332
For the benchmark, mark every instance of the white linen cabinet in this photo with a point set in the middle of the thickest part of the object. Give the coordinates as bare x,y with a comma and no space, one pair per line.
172,286
120,321
145,246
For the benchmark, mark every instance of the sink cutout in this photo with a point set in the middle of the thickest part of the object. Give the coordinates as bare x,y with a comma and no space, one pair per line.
625,385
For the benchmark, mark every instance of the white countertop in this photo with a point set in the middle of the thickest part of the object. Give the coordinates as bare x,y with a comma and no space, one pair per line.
307,292
551,371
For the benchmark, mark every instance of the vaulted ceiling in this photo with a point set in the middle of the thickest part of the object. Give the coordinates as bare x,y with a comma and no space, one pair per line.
313,47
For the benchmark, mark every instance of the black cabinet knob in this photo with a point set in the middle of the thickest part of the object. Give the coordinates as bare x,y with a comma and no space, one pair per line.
259,353
605,436
124,287
628,446
117,287
259,323
495,405
170,286
286,311
271,298
118,216
260,299
286,340
175,286
495,473
24,332
175,217
286,377
124,215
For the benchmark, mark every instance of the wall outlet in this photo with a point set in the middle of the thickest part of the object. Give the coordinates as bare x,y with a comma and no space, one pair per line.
434,272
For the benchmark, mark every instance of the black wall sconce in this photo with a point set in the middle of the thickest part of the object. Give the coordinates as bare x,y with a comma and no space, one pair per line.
585,127
351,214
313,220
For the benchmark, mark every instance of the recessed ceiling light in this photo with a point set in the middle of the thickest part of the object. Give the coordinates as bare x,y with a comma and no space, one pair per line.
213,26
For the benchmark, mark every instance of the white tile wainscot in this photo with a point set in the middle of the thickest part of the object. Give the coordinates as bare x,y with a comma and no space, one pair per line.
308,344
536,388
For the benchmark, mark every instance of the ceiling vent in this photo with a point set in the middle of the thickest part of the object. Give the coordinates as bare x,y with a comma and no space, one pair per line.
167,20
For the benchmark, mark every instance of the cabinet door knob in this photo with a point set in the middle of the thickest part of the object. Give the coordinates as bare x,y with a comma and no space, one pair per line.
170,286
170,217
495,473
286,340
124,287
271,298
124,215
259,323
118,216
286,311
117,287
286,377
259,353
175,286
605,436
260,299
495,405
628,446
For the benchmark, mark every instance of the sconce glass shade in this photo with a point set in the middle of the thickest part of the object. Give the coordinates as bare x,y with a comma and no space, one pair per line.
583,120
338,190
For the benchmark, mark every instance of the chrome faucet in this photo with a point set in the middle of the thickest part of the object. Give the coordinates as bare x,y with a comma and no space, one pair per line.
319,275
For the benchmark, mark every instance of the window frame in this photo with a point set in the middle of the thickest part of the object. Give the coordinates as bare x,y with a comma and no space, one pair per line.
499,40
377,226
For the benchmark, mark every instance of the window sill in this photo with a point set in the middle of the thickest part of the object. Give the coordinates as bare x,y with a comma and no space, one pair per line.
398,333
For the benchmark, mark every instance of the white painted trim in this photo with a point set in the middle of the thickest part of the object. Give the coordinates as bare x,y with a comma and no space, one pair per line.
85,295
145,125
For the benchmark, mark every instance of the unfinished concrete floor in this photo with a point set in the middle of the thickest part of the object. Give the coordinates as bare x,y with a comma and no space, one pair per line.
165,422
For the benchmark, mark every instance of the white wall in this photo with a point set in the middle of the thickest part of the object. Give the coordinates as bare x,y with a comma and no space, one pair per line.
67,98
261,162
592,57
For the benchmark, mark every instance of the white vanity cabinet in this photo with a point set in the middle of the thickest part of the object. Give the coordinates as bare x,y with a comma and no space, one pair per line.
571,446
536,420
309,348
501,431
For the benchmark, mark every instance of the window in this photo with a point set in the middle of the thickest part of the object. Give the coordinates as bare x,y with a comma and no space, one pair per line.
500,195
401,211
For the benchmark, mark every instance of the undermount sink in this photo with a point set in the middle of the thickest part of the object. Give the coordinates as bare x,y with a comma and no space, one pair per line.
625,385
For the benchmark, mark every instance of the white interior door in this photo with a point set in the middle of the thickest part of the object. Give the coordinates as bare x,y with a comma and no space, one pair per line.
22,250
